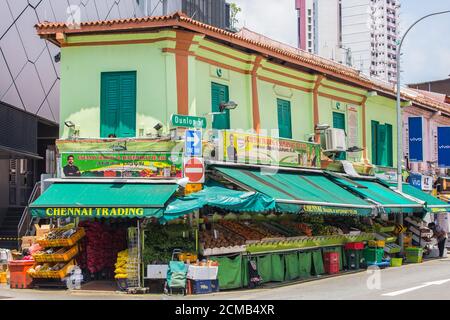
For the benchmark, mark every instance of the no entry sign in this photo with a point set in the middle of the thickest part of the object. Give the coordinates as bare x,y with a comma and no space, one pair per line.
194,169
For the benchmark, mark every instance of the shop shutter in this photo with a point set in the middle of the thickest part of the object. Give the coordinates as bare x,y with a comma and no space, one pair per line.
118,104
284,119
339,123
219,94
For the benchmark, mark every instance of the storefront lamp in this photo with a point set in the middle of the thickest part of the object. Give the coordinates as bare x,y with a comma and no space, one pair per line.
230,105
322,127
69,124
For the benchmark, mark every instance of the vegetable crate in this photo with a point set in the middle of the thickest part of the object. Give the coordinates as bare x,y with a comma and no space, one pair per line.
63,242
48,274
57,257
372,255
354,246
414,255
377,243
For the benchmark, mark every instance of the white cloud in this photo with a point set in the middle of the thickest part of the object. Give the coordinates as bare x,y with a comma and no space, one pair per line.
276,19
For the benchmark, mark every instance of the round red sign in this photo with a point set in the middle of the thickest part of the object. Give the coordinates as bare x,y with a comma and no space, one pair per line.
194,169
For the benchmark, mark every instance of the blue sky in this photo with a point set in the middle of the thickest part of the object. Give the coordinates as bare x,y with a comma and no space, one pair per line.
426,51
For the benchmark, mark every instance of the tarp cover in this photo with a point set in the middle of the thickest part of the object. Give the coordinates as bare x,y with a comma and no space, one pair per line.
312,192
103,200
432,204
220,197
375,190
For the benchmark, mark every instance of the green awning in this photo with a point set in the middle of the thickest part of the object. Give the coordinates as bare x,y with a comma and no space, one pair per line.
432,204
233,200
375,190
306,192
103,200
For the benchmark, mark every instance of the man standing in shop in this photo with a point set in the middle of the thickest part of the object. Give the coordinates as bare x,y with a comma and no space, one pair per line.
70,170
441,236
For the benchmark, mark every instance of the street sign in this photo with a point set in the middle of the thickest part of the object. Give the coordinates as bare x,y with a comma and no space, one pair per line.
178,120
194,169
193,144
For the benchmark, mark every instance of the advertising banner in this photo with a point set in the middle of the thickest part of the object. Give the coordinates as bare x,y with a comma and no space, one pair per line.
249,148
121,165
415,125
352,132
444,147
118,145
416,181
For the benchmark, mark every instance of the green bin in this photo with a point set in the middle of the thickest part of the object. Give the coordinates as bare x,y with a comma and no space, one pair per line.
373,255
354,259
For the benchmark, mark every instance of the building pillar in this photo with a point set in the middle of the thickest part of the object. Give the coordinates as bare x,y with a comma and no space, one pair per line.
317,85
255,98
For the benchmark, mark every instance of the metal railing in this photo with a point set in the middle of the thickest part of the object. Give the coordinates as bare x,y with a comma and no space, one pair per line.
26,220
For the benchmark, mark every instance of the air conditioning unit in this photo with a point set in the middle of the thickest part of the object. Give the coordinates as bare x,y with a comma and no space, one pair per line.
335,140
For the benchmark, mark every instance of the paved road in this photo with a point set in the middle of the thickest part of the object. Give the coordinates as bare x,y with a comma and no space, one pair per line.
429,280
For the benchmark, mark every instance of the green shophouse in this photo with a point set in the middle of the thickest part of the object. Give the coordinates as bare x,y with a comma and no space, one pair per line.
123,77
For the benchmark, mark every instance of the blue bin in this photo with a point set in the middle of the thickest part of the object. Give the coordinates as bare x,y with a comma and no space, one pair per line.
205,286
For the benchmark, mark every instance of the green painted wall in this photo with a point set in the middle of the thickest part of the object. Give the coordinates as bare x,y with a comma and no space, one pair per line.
81,68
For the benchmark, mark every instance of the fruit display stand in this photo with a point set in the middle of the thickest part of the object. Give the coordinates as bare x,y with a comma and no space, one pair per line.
56,259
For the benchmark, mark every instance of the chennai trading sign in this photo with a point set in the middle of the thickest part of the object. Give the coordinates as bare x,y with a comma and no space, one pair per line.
249,148
82,212
121,165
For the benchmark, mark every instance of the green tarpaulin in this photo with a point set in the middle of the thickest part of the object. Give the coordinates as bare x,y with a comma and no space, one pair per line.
264,267
306,191
220,197
291,261
305,264
277,267
432,204
375,190
317,259
230,272
103,200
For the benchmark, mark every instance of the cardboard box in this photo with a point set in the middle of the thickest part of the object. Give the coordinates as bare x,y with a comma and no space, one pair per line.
41,231
28,241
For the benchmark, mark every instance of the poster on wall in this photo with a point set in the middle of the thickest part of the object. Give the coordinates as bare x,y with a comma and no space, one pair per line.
352,132
121,165
443,147
415,140
250,148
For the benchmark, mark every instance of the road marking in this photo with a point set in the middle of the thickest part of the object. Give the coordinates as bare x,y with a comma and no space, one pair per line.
426,284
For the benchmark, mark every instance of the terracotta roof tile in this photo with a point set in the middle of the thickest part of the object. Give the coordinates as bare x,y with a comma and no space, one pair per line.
245,36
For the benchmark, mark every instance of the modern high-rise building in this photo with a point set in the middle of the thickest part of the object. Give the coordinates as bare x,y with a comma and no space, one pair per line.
359,33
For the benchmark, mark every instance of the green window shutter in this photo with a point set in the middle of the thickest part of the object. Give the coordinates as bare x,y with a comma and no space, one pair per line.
118,104
389,146
382,146
219,94
339,123
284,119
375,125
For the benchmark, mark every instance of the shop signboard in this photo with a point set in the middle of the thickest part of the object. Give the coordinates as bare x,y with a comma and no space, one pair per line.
415,125
91,212
444,147
240,147
178,120
122,165
118,145
415,180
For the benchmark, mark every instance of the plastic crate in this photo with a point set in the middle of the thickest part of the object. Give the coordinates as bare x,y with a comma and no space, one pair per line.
414,251
373,255
396,262
332,268
354,259
414,259
63,242
18,276
331,258
354,246
376,243
385,229
62,257
203,286
48,274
